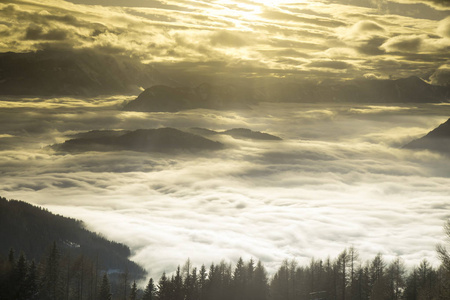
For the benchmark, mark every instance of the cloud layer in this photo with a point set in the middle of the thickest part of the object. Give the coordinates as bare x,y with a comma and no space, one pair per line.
221,39
338,178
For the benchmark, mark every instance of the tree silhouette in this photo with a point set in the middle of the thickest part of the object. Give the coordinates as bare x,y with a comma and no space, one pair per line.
150,291
133,292
105,289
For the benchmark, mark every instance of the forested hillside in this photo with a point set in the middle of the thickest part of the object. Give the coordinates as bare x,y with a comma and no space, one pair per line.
33,230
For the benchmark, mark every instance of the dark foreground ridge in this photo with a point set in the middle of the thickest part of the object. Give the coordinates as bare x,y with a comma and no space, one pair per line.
436,140
47,256
166,140
31,229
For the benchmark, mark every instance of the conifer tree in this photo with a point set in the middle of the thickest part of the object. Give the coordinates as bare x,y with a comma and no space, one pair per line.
164,288
150,291
105,289
50,283
261,287
177,284
133,292
18,278
239,280
31,282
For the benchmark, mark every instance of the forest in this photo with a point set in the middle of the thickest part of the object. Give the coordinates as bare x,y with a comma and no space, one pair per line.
57,276
79,264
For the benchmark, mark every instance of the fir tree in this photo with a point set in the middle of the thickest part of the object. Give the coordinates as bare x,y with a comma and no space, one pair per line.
133,292
150,291
105,289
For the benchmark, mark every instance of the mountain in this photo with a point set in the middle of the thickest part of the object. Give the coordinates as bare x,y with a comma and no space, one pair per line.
75,72
161,98
141,140
237,133
31,229
436,140
244,133
404,90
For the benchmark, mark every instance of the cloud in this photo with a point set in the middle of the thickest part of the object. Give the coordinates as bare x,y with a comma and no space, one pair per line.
230,39
305,196
403,44
331,64
249,37
441,76
37,33
366,27
444,27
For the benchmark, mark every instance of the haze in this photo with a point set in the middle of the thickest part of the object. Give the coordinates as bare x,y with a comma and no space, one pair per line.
339,177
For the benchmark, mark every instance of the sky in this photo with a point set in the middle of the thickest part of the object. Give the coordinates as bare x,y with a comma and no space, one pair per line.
339,177
299,39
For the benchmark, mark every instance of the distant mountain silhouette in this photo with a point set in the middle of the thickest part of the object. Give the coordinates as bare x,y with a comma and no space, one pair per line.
31,229
249,134
141,140
75,72
436,140
238,133
405,90
163,98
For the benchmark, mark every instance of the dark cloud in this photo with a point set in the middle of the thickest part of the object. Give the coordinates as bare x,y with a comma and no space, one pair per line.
332,64
37,33
372,46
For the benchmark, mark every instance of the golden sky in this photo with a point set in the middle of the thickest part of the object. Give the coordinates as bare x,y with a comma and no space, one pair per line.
301,39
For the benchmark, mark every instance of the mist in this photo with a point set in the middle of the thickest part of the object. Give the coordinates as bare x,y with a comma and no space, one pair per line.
338,178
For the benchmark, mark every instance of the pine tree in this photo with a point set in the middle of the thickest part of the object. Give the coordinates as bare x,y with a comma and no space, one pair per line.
202,282
164,288
150,291
261,287
133,292
239,280
50,283
177,284
31,282
105,289
18,278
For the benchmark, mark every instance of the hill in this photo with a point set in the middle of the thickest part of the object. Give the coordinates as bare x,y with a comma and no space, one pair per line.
238,133
436,140
141,140
31,229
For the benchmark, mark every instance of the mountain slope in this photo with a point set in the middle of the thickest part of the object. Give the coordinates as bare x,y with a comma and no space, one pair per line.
74,72
161,98
31,229
436,140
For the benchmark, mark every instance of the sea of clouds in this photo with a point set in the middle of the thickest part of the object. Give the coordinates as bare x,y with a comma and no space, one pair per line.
339,178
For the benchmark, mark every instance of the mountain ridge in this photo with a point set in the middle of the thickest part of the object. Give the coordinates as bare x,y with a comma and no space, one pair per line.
437,140
31,229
